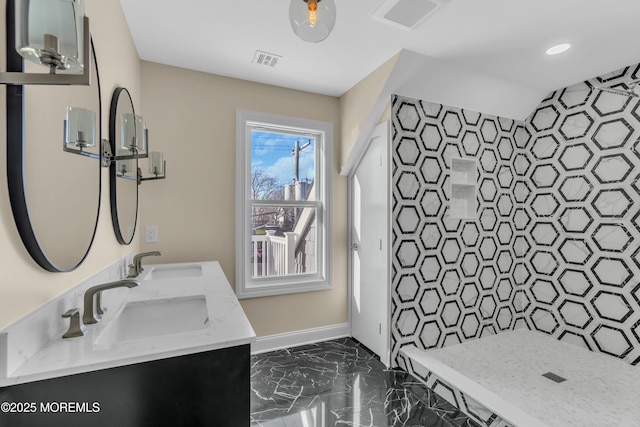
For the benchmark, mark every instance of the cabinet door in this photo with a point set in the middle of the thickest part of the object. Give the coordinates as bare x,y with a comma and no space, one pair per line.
202,389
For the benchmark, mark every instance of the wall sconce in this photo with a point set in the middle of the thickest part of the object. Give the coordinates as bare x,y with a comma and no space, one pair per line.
134,135
134,144
125,168
80,132
53,33
157,167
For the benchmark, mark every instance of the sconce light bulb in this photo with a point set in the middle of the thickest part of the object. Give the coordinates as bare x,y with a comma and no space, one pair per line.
313,7
51,56
51,43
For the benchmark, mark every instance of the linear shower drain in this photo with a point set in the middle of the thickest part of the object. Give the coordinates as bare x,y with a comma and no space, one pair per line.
553,377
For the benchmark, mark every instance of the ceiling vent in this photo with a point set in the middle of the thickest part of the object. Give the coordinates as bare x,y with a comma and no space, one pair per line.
266,58
406,14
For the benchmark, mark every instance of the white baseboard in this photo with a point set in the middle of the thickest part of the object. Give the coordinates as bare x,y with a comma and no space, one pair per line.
298,338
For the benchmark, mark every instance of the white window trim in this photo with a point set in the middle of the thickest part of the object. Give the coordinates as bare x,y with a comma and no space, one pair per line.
289,284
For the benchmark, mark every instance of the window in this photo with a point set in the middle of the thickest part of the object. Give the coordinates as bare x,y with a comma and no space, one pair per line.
283,221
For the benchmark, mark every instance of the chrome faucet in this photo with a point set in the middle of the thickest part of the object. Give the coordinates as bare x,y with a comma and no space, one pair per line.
136,269
94,293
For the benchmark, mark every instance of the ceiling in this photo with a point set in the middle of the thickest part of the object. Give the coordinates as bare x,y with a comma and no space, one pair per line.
505,39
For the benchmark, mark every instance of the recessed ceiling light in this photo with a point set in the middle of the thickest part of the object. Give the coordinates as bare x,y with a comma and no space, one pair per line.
559,48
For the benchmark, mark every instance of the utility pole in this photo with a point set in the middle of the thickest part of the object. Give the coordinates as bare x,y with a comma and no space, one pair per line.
296,172
296,158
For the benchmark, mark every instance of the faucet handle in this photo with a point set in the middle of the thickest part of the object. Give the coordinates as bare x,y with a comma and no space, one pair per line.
76,328
100,310
132,272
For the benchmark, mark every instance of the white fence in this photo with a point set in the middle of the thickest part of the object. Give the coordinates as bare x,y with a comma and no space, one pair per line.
273,255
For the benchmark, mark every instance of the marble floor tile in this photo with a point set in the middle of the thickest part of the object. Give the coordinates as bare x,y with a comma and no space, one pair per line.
341,383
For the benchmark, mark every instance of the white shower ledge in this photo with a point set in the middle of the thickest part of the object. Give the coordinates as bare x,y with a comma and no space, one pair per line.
504,374
227,326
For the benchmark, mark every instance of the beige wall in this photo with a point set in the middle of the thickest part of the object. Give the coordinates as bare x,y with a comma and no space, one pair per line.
356,105
191,118
24,286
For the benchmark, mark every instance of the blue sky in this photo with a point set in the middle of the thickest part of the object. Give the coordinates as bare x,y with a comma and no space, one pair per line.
271,152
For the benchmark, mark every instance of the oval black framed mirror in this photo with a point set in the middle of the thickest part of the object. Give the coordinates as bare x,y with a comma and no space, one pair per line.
123,174
54,194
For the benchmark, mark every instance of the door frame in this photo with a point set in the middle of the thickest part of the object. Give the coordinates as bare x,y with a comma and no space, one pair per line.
382,128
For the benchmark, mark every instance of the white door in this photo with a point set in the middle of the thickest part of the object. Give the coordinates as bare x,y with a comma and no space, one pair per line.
369,187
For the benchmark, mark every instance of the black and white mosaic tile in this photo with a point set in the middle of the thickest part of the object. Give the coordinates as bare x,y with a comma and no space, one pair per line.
584,265
555,245
484,416
341,383
455,279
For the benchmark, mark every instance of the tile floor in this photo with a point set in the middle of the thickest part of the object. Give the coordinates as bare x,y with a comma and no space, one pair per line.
341,383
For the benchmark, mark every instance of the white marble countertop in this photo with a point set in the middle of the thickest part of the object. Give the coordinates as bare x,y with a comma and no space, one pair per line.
227,327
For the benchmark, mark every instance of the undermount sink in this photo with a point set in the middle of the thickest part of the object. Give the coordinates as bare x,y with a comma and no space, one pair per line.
152,318
174,272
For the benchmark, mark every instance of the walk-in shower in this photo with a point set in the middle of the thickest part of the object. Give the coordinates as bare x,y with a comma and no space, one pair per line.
547,246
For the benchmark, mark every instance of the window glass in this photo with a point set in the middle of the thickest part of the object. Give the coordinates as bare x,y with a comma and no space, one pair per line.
283,219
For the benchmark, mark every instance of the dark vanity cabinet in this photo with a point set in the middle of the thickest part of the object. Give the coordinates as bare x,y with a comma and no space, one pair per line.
202,389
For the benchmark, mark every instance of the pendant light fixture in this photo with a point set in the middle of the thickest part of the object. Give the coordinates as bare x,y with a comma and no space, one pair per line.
312,20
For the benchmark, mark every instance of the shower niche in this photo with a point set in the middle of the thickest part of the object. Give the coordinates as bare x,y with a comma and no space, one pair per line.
464,182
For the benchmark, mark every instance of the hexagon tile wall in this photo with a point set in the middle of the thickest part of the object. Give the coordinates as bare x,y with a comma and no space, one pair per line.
455,279
556,244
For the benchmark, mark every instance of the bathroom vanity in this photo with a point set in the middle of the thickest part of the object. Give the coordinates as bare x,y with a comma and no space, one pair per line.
174,351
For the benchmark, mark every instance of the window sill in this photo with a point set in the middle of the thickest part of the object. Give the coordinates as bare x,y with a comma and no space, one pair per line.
258,291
